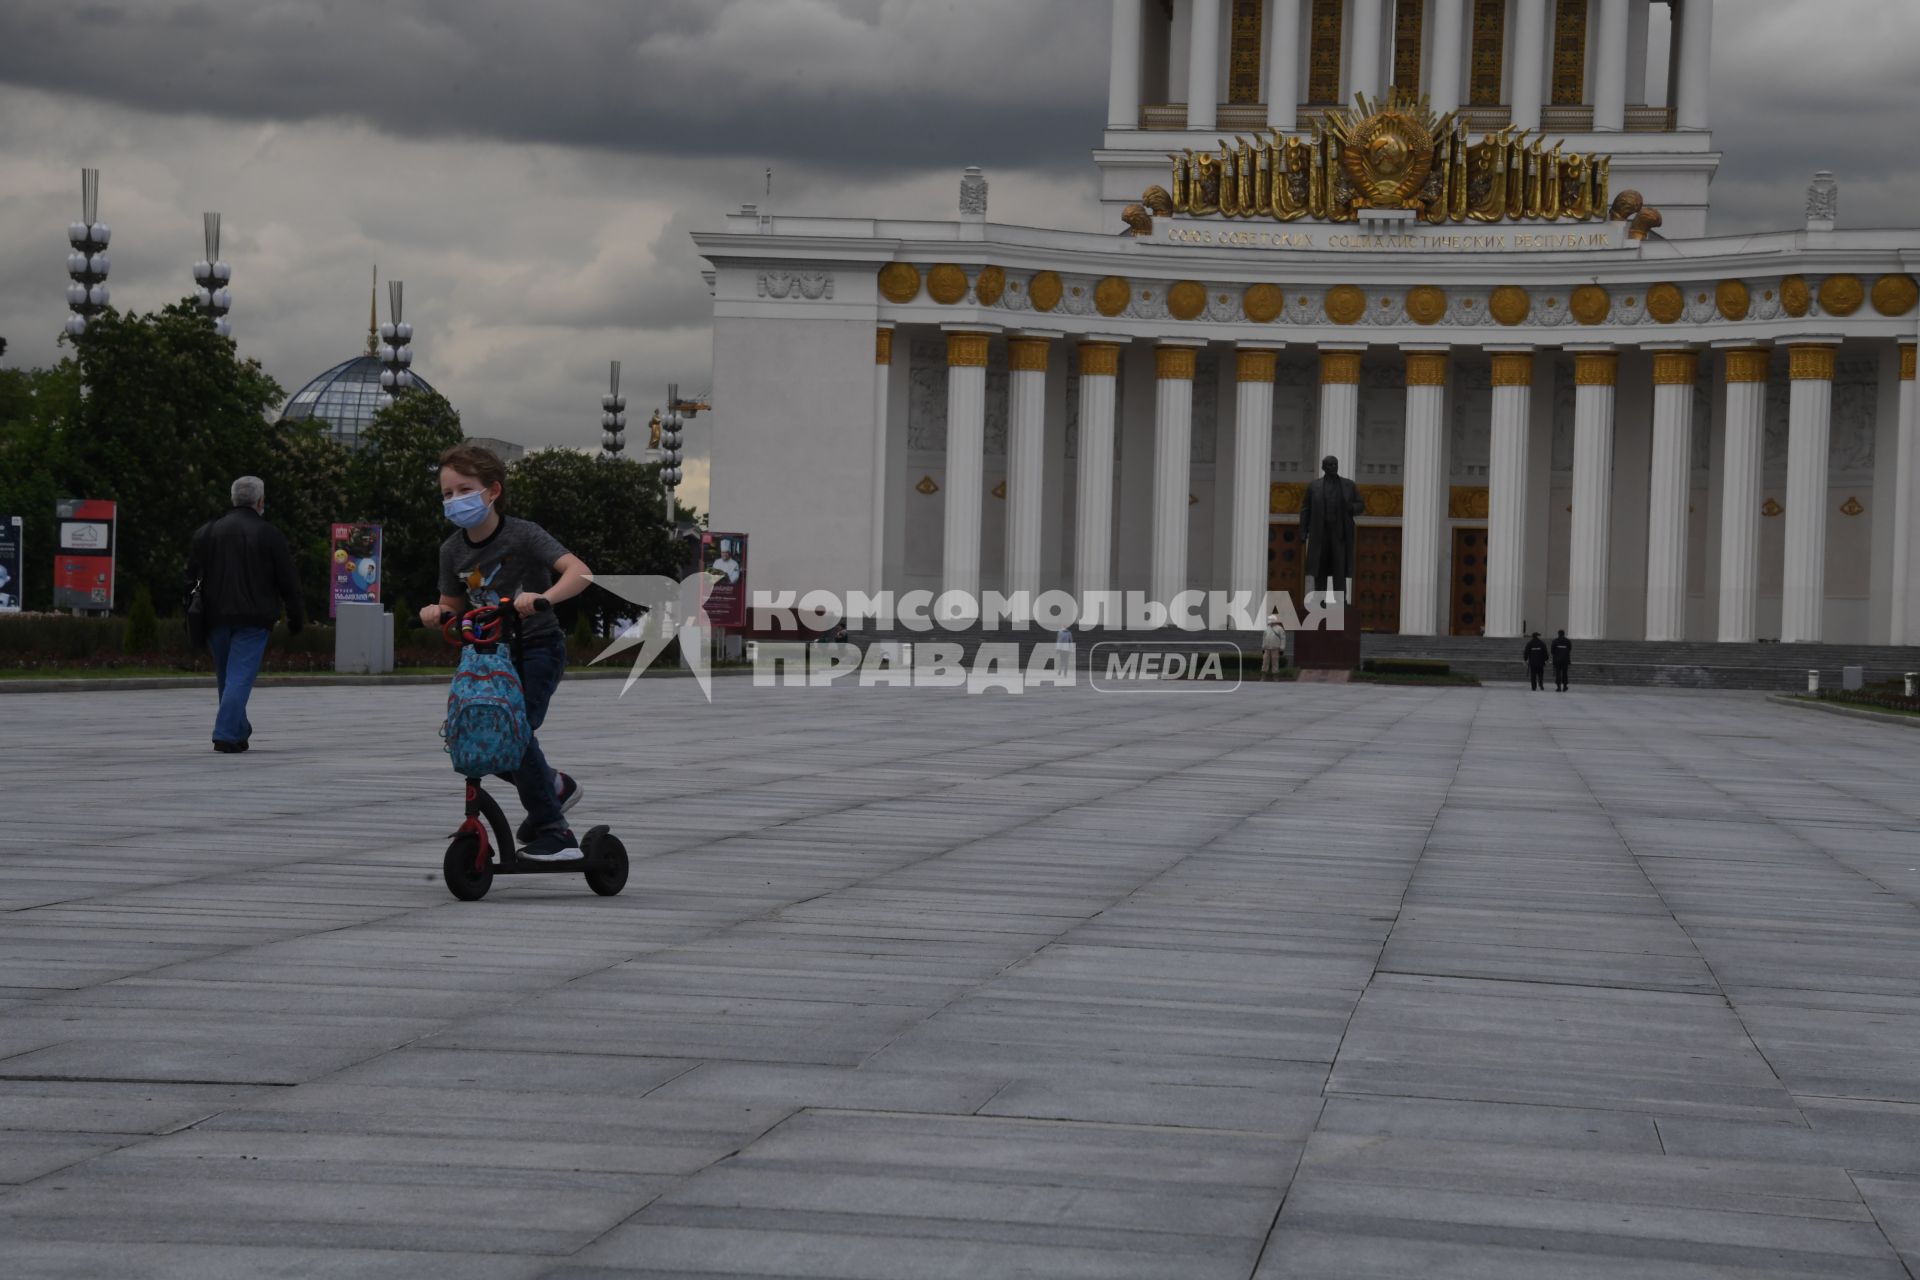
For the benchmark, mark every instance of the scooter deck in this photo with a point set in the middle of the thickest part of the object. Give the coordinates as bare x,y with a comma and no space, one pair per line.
515,865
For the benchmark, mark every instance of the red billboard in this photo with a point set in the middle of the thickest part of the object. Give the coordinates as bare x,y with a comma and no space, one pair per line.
83,554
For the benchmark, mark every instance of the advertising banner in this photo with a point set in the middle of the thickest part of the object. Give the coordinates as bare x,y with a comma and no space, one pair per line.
355,573
12,560
723,559
83,558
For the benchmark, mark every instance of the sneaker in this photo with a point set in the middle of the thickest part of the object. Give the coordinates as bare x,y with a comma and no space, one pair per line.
229,748
553,846
567,791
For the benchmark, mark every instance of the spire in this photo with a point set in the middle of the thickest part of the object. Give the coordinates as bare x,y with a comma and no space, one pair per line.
373,313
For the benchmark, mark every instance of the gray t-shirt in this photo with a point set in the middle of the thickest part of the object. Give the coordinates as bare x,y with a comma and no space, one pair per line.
518,556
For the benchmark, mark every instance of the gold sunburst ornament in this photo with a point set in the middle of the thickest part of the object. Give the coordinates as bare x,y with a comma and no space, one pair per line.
1386,150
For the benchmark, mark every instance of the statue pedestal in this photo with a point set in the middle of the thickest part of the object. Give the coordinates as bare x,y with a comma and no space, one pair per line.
1327,650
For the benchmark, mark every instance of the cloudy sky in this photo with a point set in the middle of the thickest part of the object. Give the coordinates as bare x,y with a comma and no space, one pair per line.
532,170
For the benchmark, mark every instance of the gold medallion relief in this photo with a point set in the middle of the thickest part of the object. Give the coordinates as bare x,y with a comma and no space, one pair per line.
989,285
899,282
1345,303
1795,299
1895,295
1665,303
1111,295
1841,295
1186,299
1590,304
1732,298
1262,303
946,284
1509,304
1044,290
1426,304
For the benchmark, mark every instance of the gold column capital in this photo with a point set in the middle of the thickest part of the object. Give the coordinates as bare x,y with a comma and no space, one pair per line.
1028,354
1513,368
1596,368
1675,368
1097,358
1907,350
1810,362
966,350
1427,368
1339,368
1748,364
1251,364
883,345
1173,363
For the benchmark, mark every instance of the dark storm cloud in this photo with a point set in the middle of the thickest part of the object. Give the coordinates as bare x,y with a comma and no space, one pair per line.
859,86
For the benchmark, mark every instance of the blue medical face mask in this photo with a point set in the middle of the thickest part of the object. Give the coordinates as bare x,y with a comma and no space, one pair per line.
468,510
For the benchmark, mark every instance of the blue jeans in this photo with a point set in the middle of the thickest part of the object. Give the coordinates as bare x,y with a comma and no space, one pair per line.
541,663
237,652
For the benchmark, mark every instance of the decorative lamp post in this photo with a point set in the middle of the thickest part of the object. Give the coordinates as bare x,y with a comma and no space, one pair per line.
396,348
212,275
87,263
670,446
613,416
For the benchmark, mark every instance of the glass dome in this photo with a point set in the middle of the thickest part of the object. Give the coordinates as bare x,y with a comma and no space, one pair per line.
345,397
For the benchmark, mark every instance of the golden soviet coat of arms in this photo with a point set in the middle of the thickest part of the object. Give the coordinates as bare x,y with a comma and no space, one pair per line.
1392,153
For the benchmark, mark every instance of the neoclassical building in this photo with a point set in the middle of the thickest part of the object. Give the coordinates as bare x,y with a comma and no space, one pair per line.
1448,242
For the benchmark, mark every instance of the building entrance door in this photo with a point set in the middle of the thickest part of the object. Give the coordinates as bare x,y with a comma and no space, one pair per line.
1376,584
1469,593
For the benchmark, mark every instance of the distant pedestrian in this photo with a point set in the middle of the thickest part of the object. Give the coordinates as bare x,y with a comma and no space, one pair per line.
1536,655
1273,646
245,573
1063,646
1562,650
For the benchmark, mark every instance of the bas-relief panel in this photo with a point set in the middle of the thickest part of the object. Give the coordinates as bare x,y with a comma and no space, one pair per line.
1383,423
1563,395
1472,422
1855,420
1206,405
927,398
1702,442
1294,404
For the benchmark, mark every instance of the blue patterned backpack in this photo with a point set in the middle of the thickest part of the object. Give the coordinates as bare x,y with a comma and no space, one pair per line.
486,729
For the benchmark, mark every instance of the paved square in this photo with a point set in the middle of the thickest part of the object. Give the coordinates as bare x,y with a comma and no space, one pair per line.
1305,981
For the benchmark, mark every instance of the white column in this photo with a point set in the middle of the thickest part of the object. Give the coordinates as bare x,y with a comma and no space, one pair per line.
1740,493
1283,67
1252,468
1507,490
1442,79
882,370
1123,73
1093,491
1595,375
966,437
1203,65
1637,16
1529,69
1026,458
1424,492
1610,67
1339,409
1172,468
1689,96
1669,483
1363,49
1809,424
1903,498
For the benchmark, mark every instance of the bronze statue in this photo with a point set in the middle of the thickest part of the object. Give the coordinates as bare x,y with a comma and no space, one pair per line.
1139,221
1327,514
1631,208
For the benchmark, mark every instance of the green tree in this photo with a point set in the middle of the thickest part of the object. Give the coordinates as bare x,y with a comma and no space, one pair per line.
394,484
34,408
309,478
143,628
607,511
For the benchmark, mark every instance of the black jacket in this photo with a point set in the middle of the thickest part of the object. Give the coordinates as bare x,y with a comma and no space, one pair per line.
1562,649
1536,655
246,572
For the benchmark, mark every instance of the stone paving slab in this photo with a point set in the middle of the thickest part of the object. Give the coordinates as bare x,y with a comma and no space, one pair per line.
1303,981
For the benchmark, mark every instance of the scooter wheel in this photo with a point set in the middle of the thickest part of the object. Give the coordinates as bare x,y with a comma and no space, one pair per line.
607,865
465,879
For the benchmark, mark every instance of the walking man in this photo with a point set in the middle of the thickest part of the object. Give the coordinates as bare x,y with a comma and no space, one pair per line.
245,572
1536,655
1562,650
